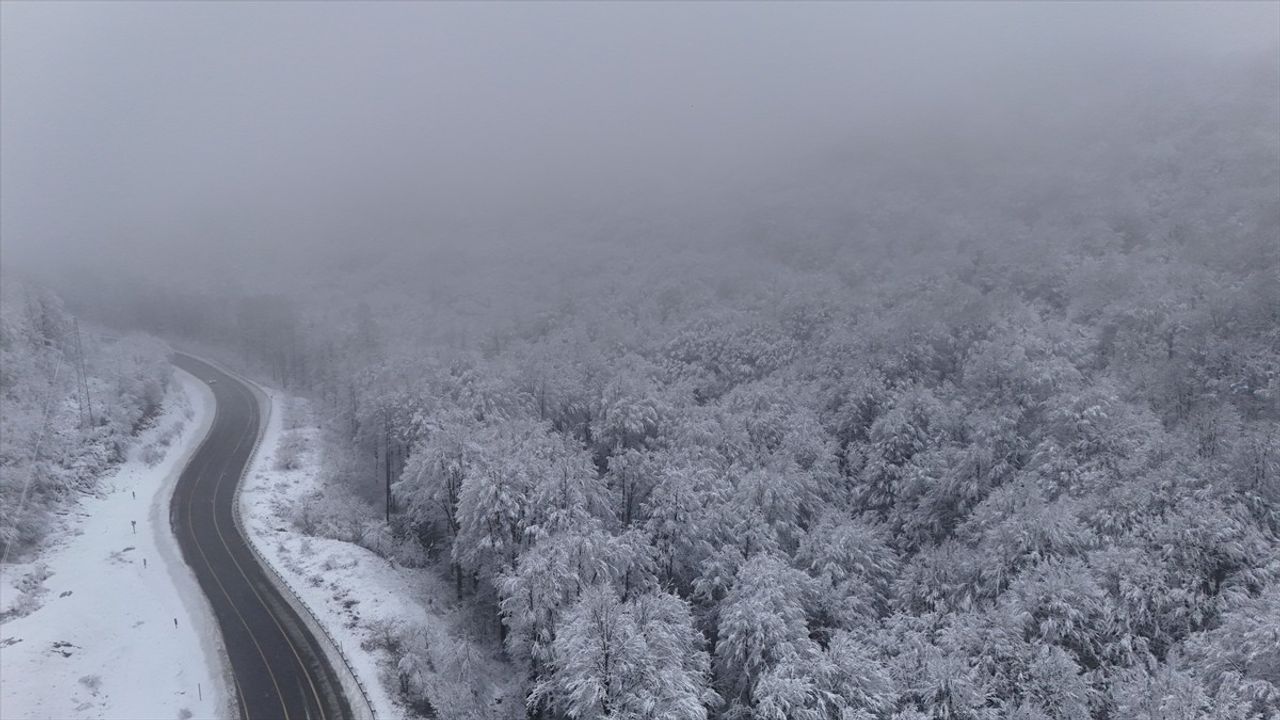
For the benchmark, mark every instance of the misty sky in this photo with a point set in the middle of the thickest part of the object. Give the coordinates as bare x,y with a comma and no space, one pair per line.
128,129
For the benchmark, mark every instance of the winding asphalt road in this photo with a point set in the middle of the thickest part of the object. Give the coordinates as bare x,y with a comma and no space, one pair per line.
279,669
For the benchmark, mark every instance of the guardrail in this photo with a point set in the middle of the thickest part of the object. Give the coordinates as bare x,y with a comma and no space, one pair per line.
286,589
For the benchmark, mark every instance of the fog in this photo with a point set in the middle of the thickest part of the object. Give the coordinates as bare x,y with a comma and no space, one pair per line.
160,138
694,361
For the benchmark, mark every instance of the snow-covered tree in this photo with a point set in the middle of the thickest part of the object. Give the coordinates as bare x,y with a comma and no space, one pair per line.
762,622
638,660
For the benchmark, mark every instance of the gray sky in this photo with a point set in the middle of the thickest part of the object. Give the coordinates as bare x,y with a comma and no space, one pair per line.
189,130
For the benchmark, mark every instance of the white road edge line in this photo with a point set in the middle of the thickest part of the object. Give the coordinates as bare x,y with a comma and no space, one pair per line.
361,707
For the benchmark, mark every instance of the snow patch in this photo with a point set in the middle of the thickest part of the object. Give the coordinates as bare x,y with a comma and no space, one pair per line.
87,626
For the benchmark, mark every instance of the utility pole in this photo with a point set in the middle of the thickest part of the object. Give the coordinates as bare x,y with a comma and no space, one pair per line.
79,376
386,454
82,376
79,395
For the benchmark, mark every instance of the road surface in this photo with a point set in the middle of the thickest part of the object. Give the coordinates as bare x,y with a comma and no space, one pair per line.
279,670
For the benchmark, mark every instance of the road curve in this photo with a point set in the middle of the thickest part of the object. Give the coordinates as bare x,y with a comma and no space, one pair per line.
279,669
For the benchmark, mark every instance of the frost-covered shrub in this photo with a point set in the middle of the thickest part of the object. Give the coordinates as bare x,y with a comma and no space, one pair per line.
30,589
332,513
384,634
289,453
295,413
152,454
172,432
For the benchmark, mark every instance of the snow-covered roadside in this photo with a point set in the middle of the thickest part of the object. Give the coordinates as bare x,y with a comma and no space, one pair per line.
358,596
89,629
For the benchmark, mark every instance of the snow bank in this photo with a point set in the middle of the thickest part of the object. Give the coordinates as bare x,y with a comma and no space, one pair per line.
88,629
354,593
264,503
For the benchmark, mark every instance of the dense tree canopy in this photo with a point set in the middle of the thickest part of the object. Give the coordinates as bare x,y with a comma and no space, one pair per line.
995,440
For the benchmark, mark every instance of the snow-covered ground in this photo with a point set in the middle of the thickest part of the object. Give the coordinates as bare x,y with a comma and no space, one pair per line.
87,627
362,598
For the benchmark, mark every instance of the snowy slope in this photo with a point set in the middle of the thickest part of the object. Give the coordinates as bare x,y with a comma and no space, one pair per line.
101,641
354,593
265,498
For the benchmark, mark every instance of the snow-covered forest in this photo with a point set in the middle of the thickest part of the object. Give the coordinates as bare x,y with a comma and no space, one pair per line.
719,370
72,404
992,438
